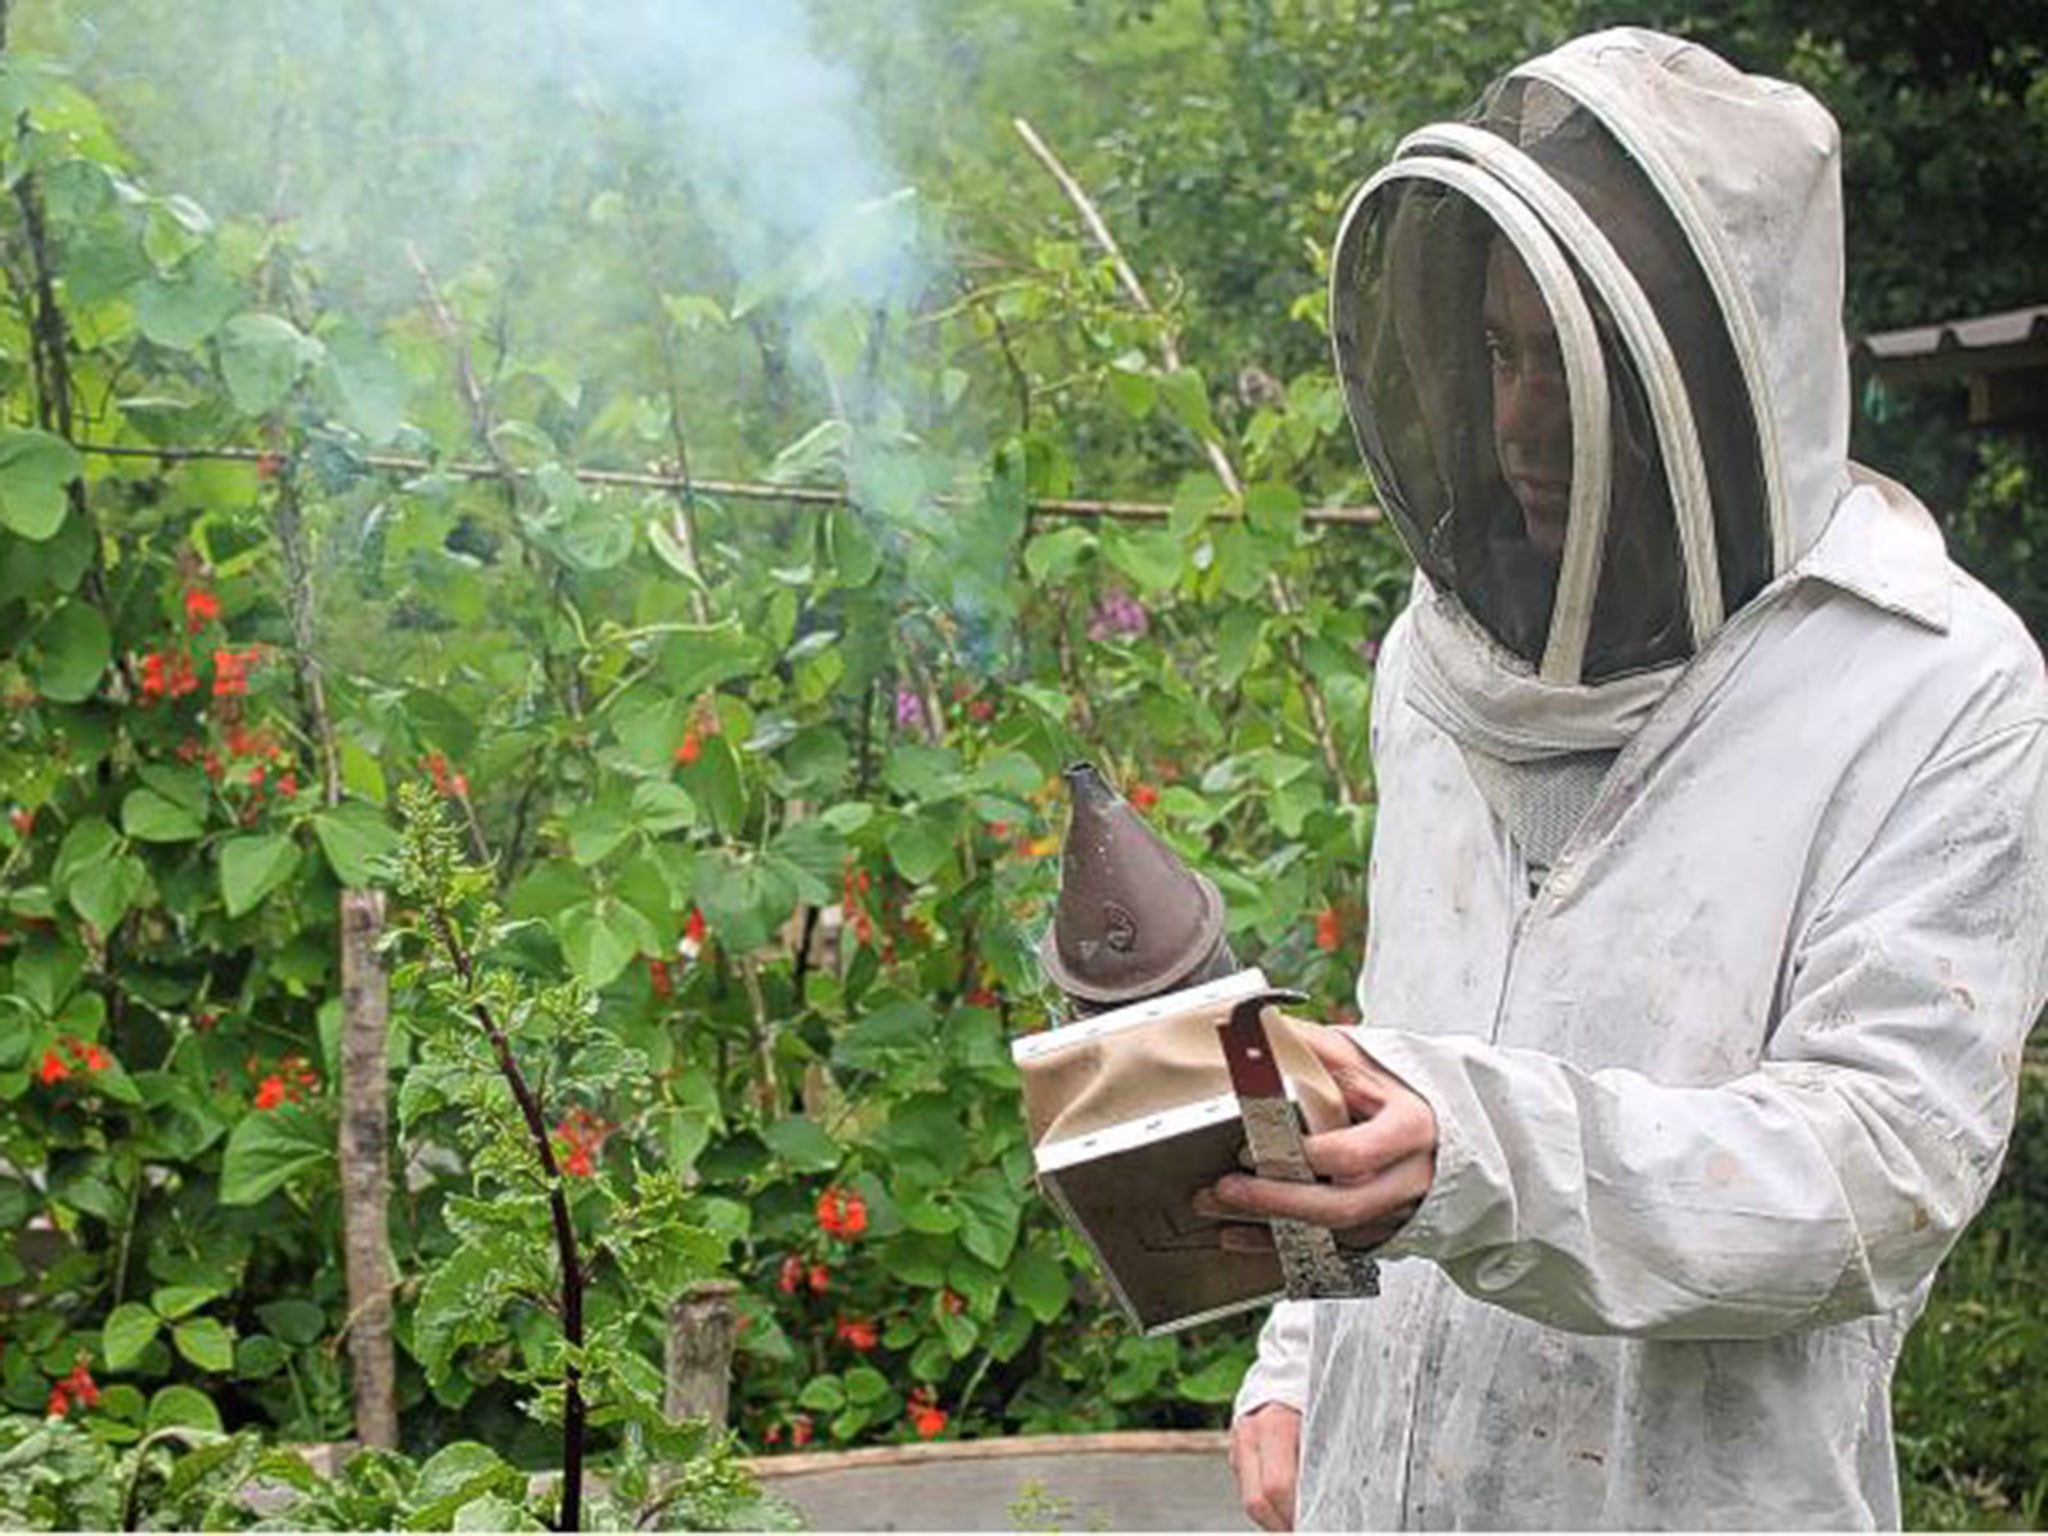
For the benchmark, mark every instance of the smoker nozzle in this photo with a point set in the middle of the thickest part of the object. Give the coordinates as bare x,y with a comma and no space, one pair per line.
1132,921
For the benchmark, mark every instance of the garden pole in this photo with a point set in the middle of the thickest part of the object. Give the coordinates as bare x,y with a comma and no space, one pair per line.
1219,458
365,1167
702,1329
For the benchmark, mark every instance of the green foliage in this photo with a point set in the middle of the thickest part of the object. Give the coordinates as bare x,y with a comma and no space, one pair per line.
740,810
58,1476
1973,1452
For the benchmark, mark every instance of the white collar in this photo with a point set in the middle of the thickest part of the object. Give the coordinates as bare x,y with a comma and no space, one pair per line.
1885,547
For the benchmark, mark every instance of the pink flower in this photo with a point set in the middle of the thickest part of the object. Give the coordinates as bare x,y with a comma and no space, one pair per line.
1118,616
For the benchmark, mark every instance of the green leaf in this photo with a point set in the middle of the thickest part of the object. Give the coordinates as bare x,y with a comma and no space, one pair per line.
149,817
126,1334
817,757
183,1408
921,846
70,652
259,1356
261,357
659,806
204,1342
459,1303
1237,641
716,783
1273,510
594,832
855,556
1216,1382
597,535
919,772
865,1384
49,569
1188,398
989,1214
296,1322
456,1476
102,891
270,1148
252,867
673,552
802,1144
182,310
813,854
1151,558
822,1394
1051,557
34,469
174,1301
600,938
1197,498
369,386
1040,1284
1134,392
354,838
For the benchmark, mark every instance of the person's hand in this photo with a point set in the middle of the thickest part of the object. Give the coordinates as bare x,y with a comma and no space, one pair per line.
1265,1458
1379,1168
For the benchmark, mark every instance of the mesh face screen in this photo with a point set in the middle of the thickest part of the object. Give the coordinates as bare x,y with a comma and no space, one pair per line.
1583,157
1449,352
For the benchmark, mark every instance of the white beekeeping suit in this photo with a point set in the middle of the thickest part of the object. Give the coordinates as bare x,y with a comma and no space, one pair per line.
1710,888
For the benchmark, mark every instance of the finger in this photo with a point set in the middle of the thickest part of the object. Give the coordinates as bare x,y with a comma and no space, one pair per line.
1244,1462
1336,1206
1371,1146
1375,1233
1256,1485
1284,1449
1243,1237
1348,1065
1358,1151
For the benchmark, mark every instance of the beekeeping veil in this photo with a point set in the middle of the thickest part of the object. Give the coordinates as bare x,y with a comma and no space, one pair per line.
1590,343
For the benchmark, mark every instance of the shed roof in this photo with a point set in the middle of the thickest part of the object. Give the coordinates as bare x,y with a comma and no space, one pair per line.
1972,343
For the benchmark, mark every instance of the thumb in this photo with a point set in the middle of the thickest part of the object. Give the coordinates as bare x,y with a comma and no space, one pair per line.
1357,1079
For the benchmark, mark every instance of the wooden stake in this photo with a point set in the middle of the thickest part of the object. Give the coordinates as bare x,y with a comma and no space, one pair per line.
1219,459
365,1166
703,1327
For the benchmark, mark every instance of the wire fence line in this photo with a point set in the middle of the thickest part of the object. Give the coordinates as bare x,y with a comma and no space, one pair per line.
734,490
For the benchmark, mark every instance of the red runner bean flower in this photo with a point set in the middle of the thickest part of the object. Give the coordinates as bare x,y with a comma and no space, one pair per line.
582,1135
231,671
858,1333
927,1418
842,1213
1327,935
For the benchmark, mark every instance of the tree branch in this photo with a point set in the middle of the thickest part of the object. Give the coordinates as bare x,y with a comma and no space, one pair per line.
566,1255
1219,459
735,490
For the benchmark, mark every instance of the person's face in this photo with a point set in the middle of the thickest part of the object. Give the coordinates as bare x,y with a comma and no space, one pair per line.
1532,431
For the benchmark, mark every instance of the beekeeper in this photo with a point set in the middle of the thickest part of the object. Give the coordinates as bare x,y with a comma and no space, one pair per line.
1710,886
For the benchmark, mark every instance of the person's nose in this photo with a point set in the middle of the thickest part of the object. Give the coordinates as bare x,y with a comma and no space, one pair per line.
1534,408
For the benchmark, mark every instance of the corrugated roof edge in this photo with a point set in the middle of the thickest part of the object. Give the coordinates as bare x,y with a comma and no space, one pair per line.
2008,328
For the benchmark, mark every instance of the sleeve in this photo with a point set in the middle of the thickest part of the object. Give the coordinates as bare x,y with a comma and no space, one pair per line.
1825,1184
1280,1373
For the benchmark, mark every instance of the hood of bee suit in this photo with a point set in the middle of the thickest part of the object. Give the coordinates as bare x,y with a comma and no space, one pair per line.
1590,340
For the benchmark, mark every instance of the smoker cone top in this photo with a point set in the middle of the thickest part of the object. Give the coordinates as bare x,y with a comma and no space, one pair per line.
1132,921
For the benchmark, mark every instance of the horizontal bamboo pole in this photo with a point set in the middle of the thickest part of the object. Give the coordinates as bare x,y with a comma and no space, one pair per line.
736,490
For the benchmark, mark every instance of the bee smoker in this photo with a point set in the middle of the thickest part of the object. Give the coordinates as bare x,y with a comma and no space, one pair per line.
1132,921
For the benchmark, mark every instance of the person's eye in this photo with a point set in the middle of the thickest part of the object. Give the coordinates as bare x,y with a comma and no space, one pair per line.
1499,353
